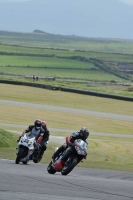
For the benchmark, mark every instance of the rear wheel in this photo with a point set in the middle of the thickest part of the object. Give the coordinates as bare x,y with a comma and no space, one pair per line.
25,162
37,160
37,156
21,154
50,169
69,167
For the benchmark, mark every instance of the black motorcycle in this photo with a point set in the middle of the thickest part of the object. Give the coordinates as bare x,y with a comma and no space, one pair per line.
37,155
79,151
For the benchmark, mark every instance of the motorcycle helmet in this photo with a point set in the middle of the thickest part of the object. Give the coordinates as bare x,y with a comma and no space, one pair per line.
37,124
43,124
84,133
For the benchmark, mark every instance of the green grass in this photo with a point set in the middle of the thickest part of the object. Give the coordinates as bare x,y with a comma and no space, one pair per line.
7,139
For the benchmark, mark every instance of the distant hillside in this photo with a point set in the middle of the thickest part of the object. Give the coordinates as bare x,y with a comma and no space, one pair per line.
39,31
58,37
41,39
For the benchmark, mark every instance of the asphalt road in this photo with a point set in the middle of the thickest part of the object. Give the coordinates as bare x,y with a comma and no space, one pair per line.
32,181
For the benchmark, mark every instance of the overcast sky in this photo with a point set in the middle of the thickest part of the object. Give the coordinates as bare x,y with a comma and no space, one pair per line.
125,1
5,1
89,18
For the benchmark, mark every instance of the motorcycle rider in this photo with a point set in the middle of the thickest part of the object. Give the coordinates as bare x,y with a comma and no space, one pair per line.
83,134
39,128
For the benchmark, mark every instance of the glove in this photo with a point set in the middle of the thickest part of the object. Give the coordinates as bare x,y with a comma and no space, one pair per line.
41,144
23,133
69,144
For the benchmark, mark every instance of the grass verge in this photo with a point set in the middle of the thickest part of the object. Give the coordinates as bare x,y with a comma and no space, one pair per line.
64,99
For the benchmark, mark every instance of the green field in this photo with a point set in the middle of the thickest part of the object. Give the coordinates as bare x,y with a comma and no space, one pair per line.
75,62
43,62
114,57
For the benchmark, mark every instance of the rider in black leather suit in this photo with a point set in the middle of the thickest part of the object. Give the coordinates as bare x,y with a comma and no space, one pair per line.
36,130
82,134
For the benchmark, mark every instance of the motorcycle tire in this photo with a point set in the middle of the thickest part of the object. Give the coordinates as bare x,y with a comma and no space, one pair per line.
36,156
67,169
50,169
25,163
20,155
36,160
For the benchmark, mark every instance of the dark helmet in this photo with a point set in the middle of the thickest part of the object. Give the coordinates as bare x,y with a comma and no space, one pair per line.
84,133
37,124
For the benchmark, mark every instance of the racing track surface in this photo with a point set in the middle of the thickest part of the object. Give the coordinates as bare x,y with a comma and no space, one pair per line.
32,181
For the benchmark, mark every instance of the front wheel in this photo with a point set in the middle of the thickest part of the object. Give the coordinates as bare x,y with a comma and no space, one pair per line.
20,155
50,169
68,168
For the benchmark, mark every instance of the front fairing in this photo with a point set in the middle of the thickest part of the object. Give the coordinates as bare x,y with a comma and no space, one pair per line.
81,147
27,141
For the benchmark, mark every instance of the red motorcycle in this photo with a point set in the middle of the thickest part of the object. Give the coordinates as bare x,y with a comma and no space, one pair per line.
78,152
